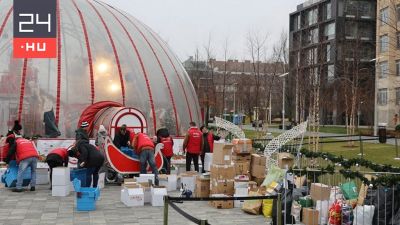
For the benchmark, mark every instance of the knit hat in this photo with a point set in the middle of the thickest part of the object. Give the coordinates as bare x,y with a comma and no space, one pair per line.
84,124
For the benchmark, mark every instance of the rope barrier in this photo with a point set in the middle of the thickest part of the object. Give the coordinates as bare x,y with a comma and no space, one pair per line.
222,198
185,214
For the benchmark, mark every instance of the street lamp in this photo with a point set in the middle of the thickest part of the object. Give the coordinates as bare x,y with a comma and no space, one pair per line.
283,99
234,97
376,99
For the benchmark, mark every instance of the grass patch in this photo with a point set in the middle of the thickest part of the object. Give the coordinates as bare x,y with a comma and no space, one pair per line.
341,130
375,152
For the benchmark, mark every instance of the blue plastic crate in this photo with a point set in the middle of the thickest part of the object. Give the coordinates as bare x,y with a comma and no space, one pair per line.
85,197
9,178
79,174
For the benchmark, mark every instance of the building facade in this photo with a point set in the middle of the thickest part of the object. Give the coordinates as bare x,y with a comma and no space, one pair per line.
232,86
388,63
332,43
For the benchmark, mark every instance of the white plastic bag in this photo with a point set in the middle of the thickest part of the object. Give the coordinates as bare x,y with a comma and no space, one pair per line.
323,208
363,215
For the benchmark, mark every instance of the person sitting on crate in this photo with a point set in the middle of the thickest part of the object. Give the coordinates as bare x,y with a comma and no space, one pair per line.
192,146
58,157
26,154
89,157
144,147
207,143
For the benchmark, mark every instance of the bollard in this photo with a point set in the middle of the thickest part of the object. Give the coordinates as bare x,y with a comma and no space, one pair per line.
203,222
279,209
166,210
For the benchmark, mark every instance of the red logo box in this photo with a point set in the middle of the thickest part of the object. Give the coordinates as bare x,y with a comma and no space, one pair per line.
35,47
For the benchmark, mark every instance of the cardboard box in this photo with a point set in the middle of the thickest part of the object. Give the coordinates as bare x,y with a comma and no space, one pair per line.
258,180
285,160
157,195
146,191
242,168
221,204
258,160
208,159
320,191
188,180
145,178
241,191
60,190
258,171
222,187
132,196
222,172
238,203
310,216
61,176
242,145
42,176
101,182
202,187
253,186
241,157
169,181
222,154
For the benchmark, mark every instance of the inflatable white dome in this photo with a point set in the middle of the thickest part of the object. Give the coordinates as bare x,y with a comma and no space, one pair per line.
106,55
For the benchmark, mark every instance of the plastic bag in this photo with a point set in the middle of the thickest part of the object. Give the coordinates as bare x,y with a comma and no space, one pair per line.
274,174
323,208
252,206
267,207
349,190
363,215
347,215
296,211
335,213
383,199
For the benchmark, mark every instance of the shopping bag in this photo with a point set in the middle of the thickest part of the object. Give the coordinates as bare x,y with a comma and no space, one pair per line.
252,206
349,190
267,207
363,215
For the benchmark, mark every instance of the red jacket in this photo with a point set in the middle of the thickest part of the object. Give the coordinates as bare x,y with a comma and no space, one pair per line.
25,149
143,141
194,141
168,146
210,139
62,152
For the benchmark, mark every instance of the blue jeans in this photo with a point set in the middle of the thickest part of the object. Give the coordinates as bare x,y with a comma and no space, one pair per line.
92,172
23,165
147,155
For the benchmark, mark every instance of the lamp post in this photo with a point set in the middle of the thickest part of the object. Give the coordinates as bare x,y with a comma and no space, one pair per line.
375,99
283,99
234,97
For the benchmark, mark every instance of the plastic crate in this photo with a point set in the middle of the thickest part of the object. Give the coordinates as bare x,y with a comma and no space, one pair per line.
85,197
9,178
79,174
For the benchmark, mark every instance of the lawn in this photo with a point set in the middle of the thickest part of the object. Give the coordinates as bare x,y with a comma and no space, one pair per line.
379,153
340,130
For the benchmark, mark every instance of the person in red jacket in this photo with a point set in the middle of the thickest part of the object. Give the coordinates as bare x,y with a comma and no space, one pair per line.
56,158
144,147
192,146
26,155
164,138
207,144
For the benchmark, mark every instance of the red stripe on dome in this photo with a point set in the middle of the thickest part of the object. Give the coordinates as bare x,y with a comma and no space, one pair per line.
114,50
58,63
22,89
176,72
141,65
162,70
89,51
5,21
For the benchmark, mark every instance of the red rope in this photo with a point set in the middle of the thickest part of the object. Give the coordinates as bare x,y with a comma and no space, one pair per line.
5,21
58,63
114,50
141,65
22,90
89,52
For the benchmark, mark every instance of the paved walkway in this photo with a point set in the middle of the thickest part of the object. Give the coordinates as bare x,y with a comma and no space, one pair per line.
39,207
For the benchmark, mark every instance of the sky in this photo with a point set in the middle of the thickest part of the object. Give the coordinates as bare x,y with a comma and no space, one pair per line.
187,25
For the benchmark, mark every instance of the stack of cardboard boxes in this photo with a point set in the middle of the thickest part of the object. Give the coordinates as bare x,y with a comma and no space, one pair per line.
136,193
241,158
222,175
257,168
61,182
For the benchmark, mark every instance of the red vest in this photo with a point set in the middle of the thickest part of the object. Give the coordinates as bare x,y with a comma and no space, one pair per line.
210,139
62,152
168,147
25,149
143,141
194,142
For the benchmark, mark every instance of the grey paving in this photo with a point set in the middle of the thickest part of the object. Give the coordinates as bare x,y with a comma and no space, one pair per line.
39,207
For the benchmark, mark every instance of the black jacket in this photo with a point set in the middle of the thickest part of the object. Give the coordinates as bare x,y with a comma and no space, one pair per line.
89,154
81,134
121,140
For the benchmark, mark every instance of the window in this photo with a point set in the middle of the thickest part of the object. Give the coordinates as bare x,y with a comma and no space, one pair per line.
384,43
298,22
328,52
398,12
398,39
351,8
328,10
383,69
382,96
312,57
365,9
384,16
314,35
330,31
312,16
397,67
331,73
397,95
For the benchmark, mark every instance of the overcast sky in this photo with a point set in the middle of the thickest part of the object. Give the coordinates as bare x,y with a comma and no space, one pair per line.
187,24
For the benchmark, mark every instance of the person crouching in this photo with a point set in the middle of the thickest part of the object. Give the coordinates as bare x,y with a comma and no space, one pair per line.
144,147
57,158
